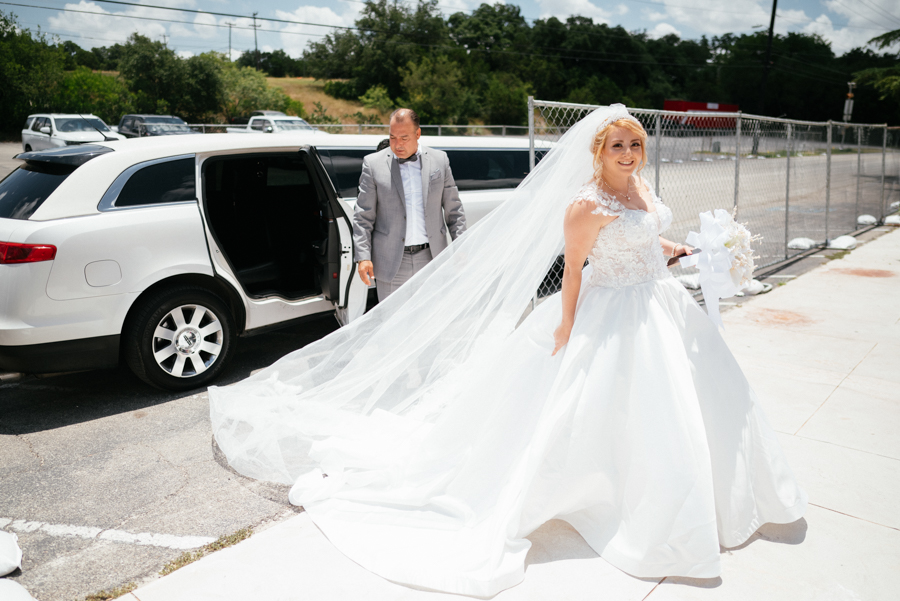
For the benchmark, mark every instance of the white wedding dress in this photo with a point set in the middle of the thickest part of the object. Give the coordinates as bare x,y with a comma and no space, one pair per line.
642,433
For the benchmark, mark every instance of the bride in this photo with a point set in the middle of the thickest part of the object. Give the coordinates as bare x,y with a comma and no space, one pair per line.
428,439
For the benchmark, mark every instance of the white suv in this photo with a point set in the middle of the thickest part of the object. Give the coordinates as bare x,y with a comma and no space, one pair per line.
160,251
51,130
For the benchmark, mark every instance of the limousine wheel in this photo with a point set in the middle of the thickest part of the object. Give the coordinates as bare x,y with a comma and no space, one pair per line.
179,339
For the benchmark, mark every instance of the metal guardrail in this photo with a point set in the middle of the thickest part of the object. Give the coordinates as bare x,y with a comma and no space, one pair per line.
786,178
373,128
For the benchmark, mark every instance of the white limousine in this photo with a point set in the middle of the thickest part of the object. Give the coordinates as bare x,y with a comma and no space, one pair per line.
162,251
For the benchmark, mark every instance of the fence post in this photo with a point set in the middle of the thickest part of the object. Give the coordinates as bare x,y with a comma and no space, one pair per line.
737,162
827,180
883,171
439,130
531,133
503,131
658,144
858,173
787,191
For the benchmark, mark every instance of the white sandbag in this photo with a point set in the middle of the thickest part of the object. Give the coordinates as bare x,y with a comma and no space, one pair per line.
892,220
690,281
843,243
755,287
10,553
895,205
866,220
801,243
10,590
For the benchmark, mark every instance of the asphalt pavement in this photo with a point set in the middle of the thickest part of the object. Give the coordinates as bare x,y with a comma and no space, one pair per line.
105,480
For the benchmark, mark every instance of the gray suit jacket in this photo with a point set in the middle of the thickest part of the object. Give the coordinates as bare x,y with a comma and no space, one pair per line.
379,224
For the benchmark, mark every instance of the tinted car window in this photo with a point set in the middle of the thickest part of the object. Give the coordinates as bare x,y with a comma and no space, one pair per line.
38,124
472,169
488,169
345,167
172,181
26,188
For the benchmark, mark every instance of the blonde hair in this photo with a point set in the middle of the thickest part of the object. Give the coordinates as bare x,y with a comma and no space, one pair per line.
599,143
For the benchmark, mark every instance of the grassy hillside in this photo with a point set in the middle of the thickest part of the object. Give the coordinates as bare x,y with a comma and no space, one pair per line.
309,91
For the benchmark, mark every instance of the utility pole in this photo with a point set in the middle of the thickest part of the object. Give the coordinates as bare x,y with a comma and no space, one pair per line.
230,25
762,92
165,41
848,104
255,45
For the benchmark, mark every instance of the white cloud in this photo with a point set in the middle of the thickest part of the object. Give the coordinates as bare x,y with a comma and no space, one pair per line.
743,16
563,9
185,53
82,26
663,29
295,38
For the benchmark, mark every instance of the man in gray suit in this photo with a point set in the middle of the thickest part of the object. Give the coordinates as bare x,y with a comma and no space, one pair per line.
407,203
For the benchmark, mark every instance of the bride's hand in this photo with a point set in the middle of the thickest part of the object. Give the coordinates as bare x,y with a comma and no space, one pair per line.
561,337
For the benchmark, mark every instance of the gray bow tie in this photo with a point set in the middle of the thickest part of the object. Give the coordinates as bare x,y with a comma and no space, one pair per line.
412,159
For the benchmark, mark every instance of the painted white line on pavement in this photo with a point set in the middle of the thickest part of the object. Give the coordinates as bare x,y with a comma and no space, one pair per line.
169,541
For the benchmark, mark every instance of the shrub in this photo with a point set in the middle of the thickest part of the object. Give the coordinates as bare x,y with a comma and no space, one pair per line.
377,98
84,91
345,90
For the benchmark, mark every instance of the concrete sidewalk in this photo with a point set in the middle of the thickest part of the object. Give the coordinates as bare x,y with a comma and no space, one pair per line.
822,353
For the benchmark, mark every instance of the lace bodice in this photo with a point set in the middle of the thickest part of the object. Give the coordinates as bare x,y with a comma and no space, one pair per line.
627,251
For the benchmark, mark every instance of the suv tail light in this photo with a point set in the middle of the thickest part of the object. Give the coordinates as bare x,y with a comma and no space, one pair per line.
11,252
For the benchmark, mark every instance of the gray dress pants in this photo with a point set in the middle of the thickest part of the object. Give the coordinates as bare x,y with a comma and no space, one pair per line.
409,266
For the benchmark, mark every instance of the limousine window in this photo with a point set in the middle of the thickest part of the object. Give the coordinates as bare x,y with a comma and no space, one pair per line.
488,169
473,169
170,181
344,166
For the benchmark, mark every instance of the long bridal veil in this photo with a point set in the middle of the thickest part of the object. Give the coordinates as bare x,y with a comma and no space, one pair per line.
381,380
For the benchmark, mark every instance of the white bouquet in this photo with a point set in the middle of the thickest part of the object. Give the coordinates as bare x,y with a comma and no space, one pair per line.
726,261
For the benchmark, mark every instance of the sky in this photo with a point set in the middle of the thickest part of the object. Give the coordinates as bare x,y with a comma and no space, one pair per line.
845,24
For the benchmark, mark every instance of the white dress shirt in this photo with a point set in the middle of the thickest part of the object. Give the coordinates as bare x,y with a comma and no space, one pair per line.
411,174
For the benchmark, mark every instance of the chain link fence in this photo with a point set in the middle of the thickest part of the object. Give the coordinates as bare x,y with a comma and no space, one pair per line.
786,179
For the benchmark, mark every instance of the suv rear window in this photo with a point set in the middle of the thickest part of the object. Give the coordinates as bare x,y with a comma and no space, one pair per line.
26,188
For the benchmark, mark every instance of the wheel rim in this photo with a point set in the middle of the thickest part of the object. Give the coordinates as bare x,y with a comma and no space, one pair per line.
187,341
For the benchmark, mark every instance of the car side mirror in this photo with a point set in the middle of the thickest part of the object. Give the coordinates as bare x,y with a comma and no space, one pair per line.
269,129
45,130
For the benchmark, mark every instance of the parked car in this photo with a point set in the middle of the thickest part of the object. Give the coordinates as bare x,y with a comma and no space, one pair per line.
162,251
136,126
51,130
274,124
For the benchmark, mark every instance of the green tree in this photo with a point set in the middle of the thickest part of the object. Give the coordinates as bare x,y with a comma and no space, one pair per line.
506,100
246,90
30,70
84,91
885,80
433,89
275,64
154,73
76,56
